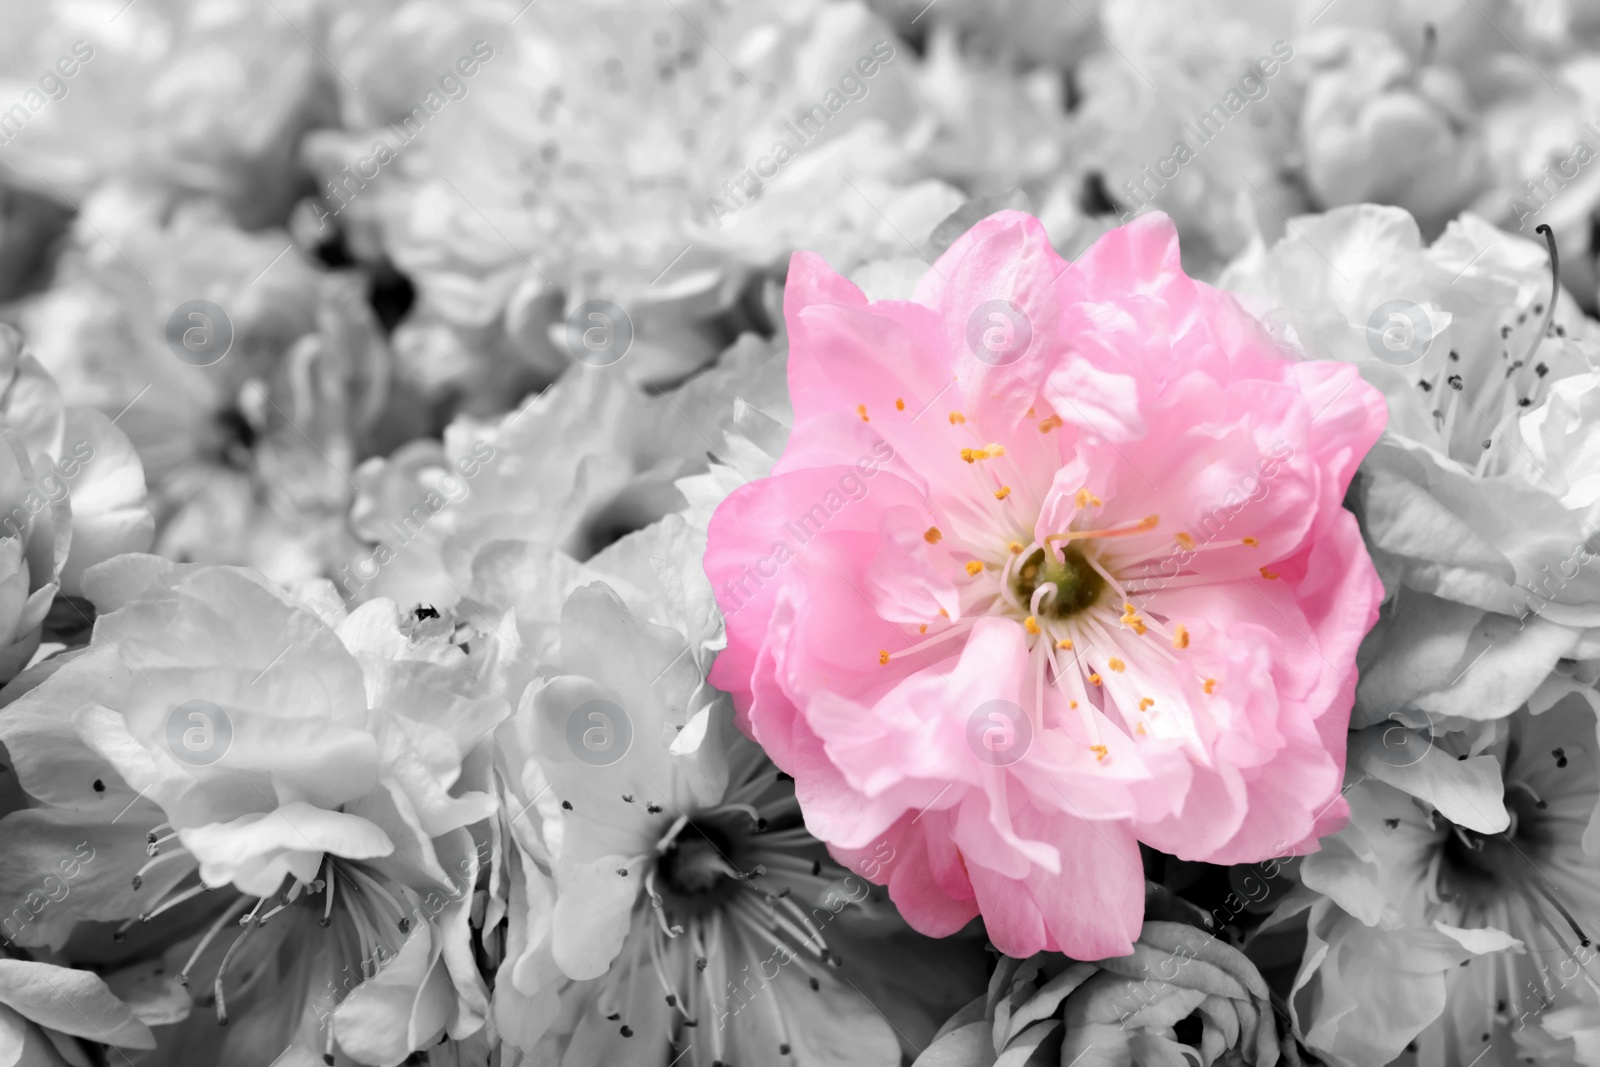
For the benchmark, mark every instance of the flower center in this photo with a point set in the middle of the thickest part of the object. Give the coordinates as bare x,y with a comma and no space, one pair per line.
1478,861
696,875
1479,870
1077,584
743,881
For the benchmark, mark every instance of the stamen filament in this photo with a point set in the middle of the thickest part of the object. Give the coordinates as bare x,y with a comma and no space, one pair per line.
230,913
174,900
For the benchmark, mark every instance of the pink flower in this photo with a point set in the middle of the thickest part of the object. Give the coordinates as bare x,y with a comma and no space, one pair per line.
1054,564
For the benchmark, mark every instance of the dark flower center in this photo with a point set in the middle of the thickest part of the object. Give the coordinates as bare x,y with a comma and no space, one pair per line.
1077,584
697,874
1478,868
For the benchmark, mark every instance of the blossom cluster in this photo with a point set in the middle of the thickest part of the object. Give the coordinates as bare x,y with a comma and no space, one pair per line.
859,532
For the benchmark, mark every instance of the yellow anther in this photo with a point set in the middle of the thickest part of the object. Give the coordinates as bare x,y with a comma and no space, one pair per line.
1210,686
932,535
1251,541
968,455
1185,542
956,418
1049,423
974,567
922,629
883,657
1149,522
994,449
1099,751
1016,548
1094,679
1084,498
1028,414
1031,624
899,404
1268,575
1116,664
1180,636
943,613
1002,492
1072,703
1145,702
861,409
1064,643
1140,730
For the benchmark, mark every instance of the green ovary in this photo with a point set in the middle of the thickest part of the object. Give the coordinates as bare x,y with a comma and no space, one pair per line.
1078,585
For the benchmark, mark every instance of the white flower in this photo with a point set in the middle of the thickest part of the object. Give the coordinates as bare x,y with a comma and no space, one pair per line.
1540,145
248,418
1458,908
997,129
1196,123
71,494
192,95
1467,501
692,915
518,512
628,152
1380,126
234,762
